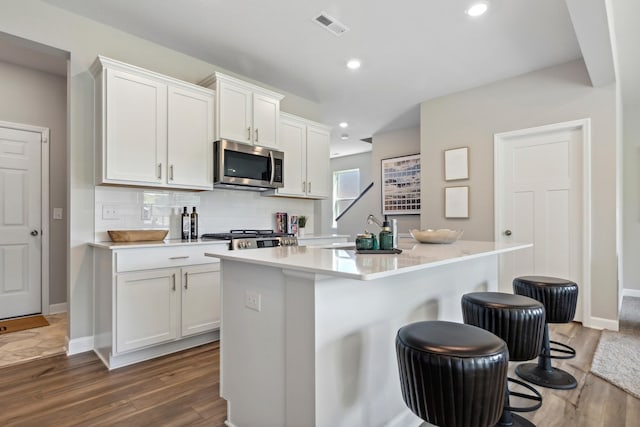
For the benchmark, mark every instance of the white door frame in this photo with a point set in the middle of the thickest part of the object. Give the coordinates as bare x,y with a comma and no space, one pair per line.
44,200
584,125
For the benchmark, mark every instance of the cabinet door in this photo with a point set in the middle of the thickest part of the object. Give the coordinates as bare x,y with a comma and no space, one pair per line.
146,308
293,138
266,117
190,139
318,177
200,298
235,112
135,129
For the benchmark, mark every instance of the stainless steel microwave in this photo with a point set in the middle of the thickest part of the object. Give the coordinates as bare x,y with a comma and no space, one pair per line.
246,167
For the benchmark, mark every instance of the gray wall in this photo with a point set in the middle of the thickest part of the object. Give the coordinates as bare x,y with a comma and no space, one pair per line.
631,198
40,99
354,220
552,95
386,145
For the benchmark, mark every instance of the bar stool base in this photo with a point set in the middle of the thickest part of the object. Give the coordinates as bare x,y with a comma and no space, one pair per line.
554,378
516,421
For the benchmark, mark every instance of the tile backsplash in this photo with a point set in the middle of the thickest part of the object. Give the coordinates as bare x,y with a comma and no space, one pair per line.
219,210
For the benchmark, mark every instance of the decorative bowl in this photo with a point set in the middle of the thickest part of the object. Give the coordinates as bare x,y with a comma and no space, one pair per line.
442,235
137,235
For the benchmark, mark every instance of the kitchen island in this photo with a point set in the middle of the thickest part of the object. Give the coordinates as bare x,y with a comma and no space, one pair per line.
308,333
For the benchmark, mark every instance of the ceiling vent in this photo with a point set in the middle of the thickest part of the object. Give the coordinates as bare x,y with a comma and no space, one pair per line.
331,24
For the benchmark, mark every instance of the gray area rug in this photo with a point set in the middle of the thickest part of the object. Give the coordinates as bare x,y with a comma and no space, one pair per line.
617,357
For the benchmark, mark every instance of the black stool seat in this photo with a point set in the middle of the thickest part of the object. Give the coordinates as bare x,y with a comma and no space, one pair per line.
519,321
559,296
452,375
560,299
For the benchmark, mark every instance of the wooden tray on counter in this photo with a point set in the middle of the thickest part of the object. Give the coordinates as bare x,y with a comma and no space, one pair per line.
137,235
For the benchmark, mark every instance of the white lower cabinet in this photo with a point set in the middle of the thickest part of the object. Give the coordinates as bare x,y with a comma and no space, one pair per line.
146,308
200,286
142,311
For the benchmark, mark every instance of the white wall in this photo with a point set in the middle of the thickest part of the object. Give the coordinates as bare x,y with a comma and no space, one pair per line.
84,40
40,99
631,199
552,95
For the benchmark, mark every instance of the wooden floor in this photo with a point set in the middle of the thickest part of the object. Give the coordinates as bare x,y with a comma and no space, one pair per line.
183,390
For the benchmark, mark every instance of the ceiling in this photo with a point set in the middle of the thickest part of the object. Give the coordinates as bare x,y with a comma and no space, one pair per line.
411,51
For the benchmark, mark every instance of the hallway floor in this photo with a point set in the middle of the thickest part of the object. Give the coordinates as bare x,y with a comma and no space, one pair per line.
31,344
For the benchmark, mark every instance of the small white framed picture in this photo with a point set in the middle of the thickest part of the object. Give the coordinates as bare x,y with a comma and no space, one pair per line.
456,164
456,202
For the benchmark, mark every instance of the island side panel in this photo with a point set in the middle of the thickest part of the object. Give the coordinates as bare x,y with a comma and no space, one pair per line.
357,380
253,345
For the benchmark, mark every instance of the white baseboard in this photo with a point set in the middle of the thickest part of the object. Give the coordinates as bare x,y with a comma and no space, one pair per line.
79,345
631,293
601,323
58,308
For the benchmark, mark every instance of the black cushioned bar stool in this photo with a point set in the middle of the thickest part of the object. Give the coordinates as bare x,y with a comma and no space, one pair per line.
519,321
451,374
560,299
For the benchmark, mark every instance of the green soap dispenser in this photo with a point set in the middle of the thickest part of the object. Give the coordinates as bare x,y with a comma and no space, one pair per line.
386,236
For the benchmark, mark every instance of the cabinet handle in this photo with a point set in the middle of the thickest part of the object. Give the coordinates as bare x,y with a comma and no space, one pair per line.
186,280
179,257
256,135
249,133
173,276
159,170
304,186
309,185
171,172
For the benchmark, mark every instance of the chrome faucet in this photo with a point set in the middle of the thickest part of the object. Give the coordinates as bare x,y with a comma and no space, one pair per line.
373,220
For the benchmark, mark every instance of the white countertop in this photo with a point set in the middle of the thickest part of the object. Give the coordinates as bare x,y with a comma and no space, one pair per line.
178,242
158,244
335,260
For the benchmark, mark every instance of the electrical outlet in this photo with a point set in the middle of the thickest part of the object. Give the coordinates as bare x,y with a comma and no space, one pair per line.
109,212
57,213
252,300
146,213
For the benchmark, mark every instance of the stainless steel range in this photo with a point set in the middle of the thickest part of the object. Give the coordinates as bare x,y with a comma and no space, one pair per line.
253,239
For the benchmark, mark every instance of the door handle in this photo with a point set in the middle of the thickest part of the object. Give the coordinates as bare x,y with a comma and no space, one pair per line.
34,232
507,232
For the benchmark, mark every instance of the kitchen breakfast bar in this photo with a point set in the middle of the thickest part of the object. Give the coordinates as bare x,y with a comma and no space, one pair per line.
308,333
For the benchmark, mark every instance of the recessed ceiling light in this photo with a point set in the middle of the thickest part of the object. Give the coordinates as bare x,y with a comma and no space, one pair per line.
477,9
344,125
344,136
353,64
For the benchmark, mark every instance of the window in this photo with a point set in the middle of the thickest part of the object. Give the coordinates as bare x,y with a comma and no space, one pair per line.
346,188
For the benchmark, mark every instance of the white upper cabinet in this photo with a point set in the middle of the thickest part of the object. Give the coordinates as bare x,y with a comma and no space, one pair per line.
189,139
245,113
151,130
306,158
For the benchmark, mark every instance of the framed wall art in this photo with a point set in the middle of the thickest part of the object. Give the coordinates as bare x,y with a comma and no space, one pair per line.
401,185
456,164
456,202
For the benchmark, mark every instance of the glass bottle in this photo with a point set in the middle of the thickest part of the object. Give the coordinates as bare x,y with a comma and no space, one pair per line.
186,224
194,224
386,236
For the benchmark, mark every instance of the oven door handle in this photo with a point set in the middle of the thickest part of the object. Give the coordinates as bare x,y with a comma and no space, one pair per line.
272,162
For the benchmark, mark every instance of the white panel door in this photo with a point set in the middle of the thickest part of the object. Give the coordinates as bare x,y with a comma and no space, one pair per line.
20,222
235,113
318,177
146,308
136,129
190,139
266,117
539,191
293,142
200,298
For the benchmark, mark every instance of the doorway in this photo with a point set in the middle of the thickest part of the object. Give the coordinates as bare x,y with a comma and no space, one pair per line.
24,231
542,196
